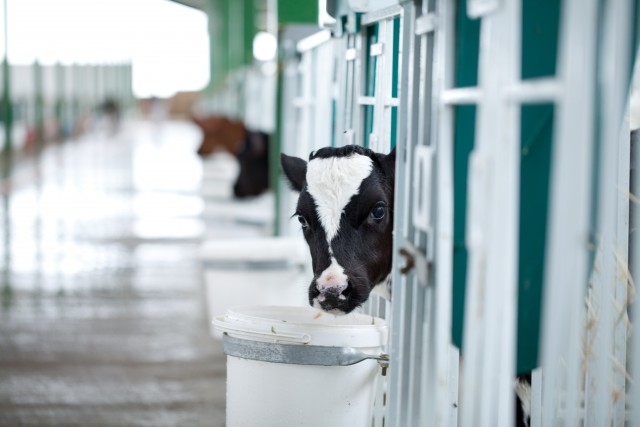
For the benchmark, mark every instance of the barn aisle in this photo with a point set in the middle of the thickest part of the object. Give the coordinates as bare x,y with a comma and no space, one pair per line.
102,319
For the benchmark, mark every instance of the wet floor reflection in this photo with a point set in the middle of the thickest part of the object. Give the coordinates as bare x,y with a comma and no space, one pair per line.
102,318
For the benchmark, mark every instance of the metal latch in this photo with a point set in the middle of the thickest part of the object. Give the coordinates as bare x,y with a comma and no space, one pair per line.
415,259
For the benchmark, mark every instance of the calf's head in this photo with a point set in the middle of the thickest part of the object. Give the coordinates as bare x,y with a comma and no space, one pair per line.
345,209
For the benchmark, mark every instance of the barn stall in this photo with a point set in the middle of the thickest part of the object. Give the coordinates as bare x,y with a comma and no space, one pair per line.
512,198
515,193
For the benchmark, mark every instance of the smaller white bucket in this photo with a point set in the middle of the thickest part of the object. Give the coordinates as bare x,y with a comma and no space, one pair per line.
267,270
263,393
255,210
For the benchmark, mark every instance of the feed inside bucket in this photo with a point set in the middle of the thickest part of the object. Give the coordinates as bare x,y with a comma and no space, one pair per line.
261,392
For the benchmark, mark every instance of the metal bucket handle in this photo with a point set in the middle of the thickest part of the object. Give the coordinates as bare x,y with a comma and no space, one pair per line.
296,354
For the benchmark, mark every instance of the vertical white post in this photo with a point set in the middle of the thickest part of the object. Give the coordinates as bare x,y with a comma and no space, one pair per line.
494,176
634,390
605,384
536,398
400,374
440,392
567,251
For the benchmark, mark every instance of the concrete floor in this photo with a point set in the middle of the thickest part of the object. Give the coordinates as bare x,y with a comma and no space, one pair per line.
102,320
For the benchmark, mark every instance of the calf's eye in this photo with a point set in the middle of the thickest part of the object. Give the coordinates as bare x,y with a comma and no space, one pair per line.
378,212
303,222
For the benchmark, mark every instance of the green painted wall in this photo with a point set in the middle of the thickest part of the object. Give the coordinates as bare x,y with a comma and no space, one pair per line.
297,11
232,27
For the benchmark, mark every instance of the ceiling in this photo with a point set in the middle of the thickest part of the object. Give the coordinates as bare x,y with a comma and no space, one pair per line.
196,4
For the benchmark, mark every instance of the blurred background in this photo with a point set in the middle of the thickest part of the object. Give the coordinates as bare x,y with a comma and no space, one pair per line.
139,144
104,206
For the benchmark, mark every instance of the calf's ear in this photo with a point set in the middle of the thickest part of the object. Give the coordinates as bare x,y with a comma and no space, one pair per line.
295,169
388,162
391,157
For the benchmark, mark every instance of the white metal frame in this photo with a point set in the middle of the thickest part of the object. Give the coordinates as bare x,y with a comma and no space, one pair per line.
426,391
382,102
425,372
307,108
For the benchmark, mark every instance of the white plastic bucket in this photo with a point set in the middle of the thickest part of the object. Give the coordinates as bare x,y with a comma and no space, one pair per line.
266,394
267,270
255,210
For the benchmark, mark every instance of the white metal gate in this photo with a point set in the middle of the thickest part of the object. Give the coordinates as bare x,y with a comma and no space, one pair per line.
424,365
392,82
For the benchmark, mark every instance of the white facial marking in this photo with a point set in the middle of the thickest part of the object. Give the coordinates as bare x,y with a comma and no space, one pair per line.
335,311
332,277
332,182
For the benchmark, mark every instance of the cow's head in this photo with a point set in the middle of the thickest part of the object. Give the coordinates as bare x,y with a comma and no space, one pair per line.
219,133
345,209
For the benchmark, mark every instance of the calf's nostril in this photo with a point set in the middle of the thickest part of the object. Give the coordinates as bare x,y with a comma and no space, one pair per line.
347,290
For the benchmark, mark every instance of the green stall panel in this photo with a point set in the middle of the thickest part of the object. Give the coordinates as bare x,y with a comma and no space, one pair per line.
297,12
250,29
466,75
217,11
540,28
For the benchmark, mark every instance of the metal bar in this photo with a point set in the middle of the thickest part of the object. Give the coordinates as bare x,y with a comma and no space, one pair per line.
417,348
324,58
536,398
350,54
444,371
390,102
376,49
274,153
296,354
426,24
399,374
366,100
313,41
621,277
356,116
482,8
379,15
339,90
381,77
535,90
634,265
461,96
567,254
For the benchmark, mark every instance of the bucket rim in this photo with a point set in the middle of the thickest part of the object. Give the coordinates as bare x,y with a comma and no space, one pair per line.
247,323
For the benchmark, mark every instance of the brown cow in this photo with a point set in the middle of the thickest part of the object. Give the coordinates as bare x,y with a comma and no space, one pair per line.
220,133
250,148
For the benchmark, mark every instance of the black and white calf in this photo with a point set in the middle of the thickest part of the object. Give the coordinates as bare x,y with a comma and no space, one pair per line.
345,209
